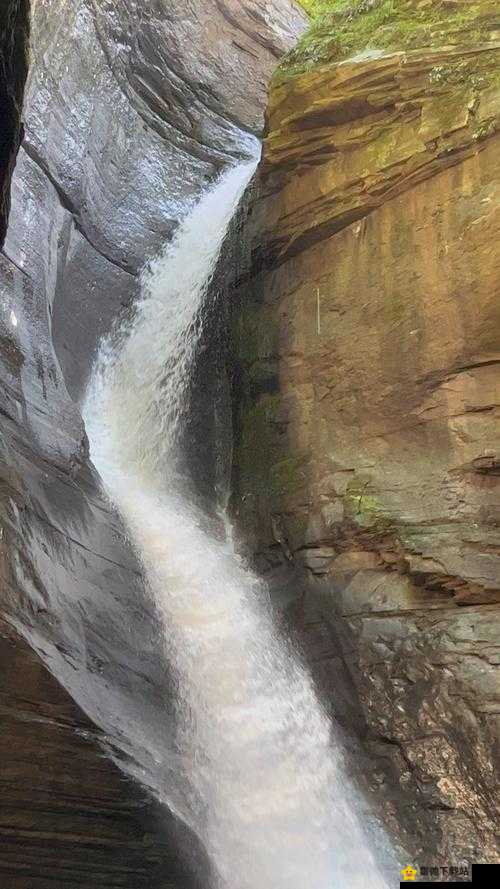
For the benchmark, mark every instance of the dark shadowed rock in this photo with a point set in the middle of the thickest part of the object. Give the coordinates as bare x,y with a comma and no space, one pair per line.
14,35
67,812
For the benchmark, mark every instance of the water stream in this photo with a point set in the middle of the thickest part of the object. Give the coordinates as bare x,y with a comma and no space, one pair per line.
266,788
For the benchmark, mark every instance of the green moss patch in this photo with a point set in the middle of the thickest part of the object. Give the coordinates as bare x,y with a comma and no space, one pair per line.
260,455
344,28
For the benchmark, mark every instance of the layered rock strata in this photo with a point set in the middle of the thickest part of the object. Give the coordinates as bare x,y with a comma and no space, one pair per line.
131,109
366,336
66,810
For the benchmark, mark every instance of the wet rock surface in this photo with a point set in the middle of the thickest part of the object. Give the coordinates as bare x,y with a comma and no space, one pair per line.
131,109
366,380
66,810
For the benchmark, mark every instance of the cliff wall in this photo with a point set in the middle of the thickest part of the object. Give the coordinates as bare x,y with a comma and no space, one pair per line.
130,109
366,335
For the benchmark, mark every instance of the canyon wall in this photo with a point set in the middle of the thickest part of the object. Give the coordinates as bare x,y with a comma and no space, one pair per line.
68,816
366,341
130,110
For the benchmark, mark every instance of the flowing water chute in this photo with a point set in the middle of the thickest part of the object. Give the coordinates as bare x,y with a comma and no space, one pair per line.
265,786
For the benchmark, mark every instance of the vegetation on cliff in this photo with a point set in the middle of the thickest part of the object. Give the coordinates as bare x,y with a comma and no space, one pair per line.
344,28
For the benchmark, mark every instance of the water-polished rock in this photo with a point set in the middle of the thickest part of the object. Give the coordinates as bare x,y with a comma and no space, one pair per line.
67,812
131,109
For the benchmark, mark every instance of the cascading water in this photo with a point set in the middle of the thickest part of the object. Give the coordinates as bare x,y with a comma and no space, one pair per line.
266,789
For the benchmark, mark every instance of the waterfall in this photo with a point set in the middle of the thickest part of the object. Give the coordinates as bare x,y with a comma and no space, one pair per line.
266,789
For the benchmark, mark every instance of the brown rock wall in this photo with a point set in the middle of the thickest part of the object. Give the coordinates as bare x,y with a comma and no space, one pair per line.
367,344
67,814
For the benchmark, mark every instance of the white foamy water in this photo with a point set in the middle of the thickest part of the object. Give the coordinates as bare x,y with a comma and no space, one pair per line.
266,788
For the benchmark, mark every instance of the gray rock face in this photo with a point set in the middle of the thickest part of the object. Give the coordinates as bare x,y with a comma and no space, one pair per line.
131,108
67,814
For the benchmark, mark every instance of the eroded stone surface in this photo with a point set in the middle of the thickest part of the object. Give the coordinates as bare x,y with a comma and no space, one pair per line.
367,341
66,810
131,108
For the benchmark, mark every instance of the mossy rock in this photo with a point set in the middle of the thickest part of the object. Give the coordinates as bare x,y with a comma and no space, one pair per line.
341,29
261,457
